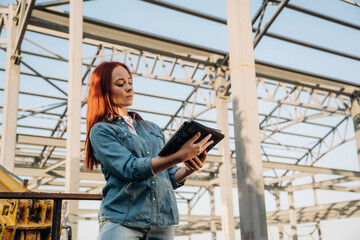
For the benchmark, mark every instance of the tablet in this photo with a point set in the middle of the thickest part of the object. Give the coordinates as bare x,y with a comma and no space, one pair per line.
187,130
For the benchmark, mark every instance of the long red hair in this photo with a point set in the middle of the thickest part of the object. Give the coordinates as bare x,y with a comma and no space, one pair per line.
100,105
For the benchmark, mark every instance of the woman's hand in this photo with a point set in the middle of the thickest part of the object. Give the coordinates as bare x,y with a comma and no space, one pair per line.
192,165
195,164
191,150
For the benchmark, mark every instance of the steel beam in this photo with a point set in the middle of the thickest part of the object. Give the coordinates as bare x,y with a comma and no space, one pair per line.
278,208
227,209
355,112
292,215
212,212
72,176
58,21
272,19
247,135
322,16
310,169
42,141
186,10
11,92
25,9
316,203
306,79
264,31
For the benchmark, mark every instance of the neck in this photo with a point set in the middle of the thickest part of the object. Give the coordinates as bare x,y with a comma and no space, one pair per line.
122,111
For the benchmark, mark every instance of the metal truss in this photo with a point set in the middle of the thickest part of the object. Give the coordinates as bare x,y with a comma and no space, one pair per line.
302,116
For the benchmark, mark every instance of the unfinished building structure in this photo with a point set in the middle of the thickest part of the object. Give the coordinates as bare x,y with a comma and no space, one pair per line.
281,123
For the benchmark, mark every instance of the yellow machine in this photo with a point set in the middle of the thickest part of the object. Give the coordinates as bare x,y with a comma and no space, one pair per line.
23,219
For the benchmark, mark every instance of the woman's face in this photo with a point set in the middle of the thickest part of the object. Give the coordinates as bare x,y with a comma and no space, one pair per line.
121,89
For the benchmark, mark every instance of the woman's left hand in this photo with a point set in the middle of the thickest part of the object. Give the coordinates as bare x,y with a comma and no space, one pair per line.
196,163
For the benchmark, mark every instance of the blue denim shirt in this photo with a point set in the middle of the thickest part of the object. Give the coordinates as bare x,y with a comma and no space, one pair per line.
133,195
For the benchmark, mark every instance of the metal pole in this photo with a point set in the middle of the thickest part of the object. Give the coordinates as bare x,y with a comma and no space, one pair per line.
56,219
292,214
189,213
316,204
355,112
278,208
212,213
247,135
11,94
227,209
74,113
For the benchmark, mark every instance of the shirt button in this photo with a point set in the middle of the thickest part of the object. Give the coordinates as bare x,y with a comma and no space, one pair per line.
154,199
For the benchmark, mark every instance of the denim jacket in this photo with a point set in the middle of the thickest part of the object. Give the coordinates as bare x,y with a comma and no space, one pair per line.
133,195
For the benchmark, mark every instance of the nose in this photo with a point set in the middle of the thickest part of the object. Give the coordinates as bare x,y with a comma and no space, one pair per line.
129,87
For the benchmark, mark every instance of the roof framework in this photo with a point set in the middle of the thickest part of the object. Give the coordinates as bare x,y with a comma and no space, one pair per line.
302,116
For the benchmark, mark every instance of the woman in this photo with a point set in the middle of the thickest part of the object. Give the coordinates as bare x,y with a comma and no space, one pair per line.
138,198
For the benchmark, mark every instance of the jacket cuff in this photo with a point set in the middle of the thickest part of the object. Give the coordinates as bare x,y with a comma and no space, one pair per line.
174,183
145,169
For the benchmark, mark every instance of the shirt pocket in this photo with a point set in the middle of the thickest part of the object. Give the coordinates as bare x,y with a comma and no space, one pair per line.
126,139
159,138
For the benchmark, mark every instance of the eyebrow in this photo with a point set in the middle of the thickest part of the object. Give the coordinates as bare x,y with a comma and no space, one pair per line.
123,79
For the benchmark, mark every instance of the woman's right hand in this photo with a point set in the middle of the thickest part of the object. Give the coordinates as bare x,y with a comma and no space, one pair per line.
191,149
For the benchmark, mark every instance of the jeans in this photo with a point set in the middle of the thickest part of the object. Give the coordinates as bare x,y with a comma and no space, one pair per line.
115,231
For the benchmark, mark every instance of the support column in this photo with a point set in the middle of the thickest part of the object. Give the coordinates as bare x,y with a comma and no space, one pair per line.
227,209
278,208
316,204
72,172
11,93
355,112
102,53
212,213
189,213
292,214
246,122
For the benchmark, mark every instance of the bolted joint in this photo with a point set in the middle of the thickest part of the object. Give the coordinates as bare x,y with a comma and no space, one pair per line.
16,59
355,96
355,109
16,20
221,85
356,120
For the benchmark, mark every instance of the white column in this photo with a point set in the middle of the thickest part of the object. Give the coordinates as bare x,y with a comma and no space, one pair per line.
292,214
246,122
355,112
278,208
212,213
316,204
11,95
227,209
72,172
189,213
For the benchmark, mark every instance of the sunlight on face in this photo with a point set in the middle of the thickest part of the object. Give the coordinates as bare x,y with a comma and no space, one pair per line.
122,91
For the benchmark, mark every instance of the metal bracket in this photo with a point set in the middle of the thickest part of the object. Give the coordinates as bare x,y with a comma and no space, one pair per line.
16,59
355,99
356,95
221,85
21,19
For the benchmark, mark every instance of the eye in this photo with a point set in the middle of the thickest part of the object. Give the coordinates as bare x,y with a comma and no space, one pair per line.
120,85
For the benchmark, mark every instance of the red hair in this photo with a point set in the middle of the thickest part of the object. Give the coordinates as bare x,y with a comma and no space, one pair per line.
100,105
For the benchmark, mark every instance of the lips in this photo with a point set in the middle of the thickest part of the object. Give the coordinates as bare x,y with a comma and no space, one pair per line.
130,96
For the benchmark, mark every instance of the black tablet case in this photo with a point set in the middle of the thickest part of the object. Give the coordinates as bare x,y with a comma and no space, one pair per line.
187,130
